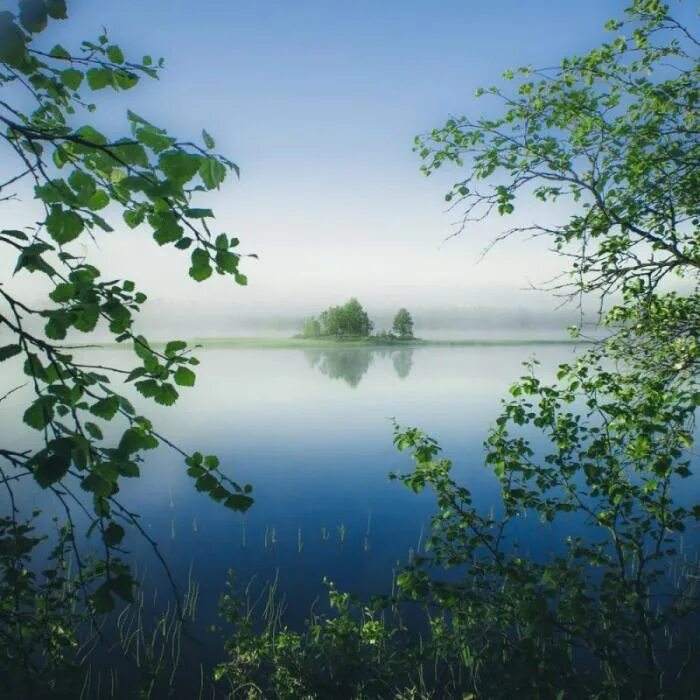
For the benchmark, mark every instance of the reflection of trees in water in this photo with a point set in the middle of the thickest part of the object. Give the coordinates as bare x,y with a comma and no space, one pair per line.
403,362
351,364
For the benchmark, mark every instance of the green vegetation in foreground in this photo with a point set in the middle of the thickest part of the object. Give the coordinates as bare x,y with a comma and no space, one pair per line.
610,614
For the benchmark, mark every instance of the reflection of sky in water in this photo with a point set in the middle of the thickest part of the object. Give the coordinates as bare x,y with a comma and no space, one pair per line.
311,431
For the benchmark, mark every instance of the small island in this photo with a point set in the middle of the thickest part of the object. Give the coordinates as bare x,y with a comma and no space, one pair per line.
351,323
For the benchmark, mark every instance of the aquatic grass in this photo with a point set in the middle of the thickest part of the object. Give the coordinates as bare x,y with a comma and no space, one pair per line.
145,657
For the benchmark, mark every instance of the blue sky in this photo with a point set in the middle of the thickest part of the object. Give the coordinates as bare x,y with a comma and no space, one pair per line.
319,102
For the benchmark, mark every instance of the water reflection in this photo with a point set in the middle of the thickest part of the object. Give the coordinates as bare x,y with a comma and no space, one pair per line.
351,364
403,362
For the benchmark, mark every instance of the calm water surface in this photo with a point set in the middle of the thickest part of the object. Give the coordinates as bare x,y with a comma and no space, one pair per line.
311,431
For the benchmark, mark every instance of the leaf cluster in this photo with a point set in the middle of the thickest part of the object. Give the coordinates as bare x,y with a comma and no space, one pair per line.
88,183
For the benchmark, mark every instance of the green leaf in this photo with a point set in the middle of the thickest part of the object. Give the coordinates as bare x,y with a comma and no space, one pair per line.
57,9
125,79
40,413
123,586
94,430
8,351
199,213
154,138
55,191
92,136
55,328
33,368
33,15
134,217
178,166
63,225
208,140
101,600
167,395
31,260
238,502
184,377
71,78
113,534
206,483
201,267
12,233
99,78
59,52
129,469
105,408
51,469
227,261
175,346
83,184
184,243
148,388
167,229
114,54
131,153
212,172
98,200
142,348
134,440
98,485
12,41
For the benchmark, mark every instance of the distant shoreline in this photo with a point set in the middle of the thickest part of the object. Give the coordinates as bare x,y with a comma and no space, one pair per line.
252,343
369,343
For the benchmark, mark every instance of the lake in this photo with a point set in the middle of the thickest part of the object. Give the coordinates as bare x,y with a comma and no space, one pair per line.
311,430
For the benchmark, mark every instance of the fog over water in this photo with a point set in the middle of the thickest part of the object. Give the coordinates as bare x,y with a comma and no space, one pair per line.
330,195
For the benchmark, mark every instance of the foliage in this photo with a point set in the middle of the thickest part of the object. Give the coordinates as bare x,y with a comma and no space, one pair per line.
38,614
614,134
349,320
46,643
349,653
312,328
604,611
602,453
403,324
83,181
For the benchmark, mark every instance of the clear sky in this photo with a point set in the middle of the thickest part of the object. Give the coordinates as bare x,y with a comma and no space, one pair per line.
318,101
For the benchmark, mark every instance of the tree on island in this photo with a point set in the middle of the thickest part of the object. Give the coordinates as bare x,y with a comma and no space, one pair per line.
349,320
312,328
403,324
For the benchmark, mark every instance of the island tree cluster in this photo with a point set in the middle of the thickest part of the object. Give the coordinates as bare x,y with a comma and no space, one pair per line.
352,321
